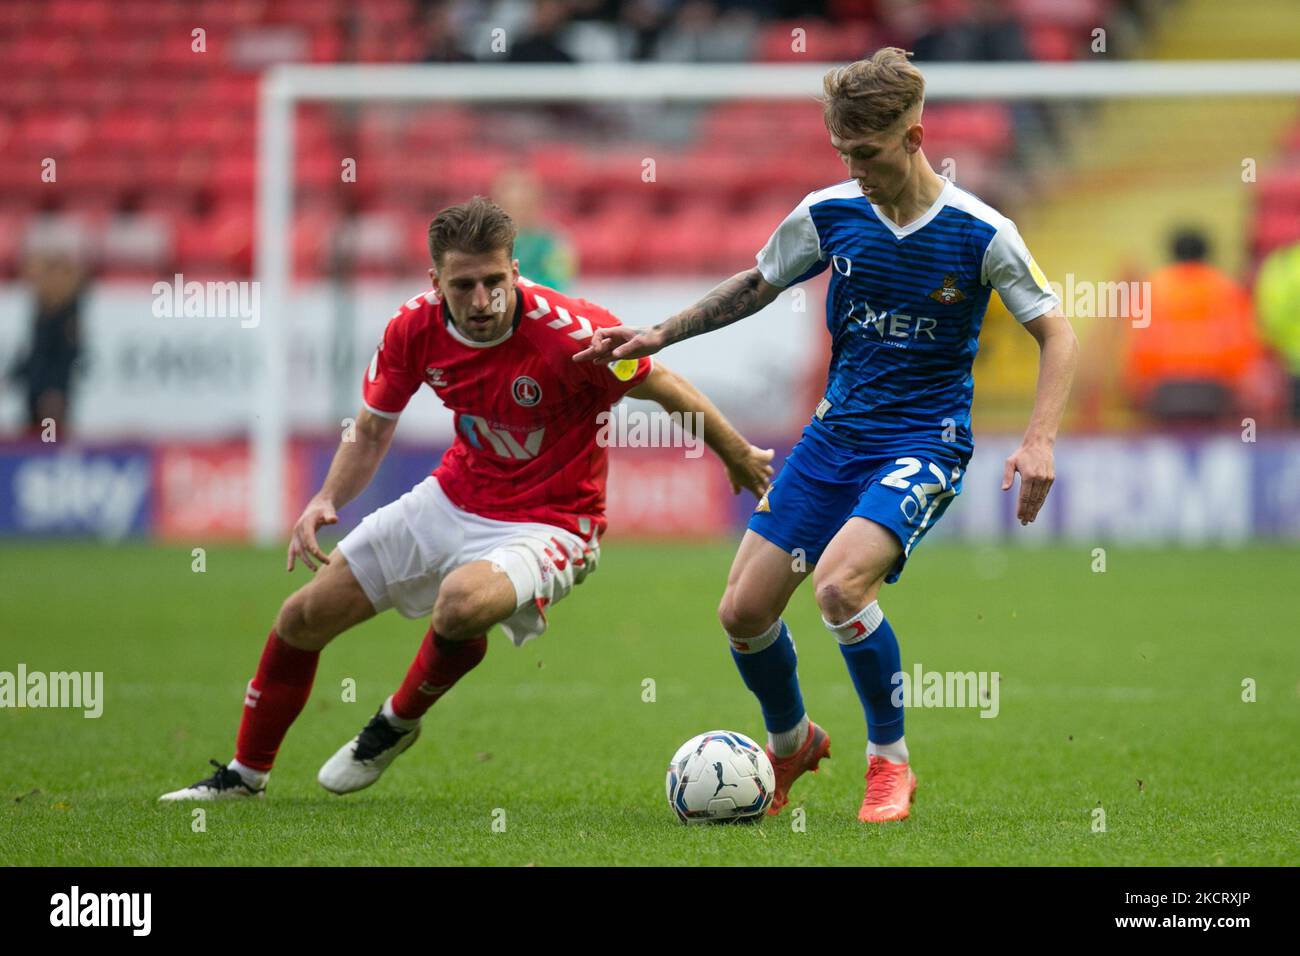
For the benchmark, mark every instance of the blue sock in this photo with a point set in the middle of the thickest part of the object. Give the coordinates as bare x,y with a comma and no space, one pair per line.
767,665
870,650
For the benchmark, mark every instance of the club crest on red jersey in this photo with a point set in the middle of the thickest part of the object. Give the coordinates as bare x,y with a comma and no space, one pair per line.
526,391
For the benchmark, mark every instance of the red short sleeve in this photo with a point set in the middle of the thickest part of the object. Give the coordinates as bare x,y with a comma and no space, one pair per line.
617,378
390,381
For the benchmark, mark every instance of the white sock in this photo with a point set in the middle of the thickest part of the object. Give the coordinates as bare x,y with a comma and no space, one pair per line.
894,753
399,723
256,779
789,741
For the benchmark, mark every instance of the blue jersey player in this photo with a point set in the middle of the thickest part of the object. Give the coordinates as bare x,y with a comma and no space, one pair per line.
913,260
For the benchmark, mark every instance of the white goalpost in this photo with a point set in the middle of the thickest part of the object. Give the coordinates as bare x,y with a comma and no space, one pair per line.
283,87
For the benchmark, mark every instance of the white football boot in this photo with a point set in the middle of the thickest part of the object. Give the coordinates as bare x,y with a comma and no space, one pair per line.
361,761
225,784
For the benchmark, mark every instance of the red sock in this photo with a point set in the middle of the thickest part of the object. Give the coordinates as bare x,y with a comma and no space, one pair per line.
438,665
275,698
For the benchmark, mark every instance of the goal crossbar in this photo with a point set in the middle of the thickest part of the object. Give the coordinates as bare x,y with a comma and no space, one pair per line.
284,86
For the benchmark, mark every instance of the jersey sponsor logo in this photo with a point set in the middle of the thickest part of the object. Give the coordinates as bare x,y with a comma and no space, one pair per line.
526,391
436,377
948,293
895,325
476,431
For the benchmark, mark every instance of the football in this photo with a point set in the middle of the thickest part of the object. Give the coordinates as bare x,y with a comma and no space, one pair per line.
720,776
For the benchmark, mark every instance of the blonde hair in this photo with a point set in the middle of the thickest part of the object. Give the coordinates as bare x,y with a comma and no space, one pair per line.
870,95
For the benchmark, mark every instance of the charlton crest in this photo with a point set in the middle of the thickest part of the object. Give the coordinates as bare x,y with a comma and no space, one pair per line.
949,293
526,391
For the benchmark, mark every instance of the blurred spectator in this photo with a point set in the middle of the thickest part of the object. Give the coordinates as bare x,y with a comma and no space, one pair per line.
964,32
544,254
700,33
540,44
1277,298
57,282
644,22
442,44
1193,362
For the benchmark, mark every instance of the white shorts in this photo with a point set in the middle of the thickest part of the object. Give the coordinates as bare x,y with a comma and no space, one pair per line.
401,553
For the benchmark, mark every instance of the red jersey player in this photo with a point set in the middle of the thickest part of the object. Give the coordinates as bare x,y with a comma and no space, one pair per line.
506,525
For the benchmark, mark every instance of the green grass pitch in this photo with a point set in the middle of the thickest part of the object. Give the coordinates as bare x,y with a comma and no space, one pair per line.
1120,690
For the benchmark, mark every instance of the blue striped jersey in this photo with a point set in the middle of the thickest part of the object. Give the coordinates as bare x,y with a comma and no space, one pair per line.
904,309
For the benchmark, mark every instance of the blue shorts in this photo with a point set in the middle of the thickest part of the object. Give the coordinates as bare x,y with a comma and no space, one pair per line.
824,483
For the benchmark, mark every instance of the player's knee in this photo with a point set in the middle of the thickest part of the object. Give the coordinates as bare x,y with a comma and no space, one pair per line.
290,623
744,617
457,612
303,622
840,597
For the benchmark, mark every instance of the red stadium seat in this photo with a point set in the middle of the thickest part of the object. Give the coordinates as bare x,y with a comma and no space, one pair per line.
78,14
217,245
1078,16
1273,229
133,130
610,241
813,41
1052,42
113,91
1279,190
53,132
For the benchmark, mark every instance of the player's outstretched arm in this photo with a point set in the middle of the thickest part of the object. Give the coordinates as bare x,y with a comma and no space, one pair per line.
742,295
747,466
1058,356
354,464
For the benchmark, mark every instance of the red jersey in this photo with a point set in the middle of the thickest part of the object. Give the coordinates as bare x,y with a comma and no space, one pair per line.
526,425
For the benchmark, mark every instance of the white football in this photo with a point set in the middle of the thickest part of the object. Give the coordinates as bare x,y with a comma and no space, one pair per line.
719,776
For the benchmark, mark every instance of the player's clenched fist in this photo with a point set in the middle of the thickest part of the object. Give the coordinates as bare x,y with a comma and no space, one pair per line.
620,342
303,544
752,470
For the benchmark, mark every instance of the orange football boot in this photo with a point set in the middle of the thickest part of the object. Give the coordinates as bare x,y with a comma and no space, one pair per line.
891,788
789,769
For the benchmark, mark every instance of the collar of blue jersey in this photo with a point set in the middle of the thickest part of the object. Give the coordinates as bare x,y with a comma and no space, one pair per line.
456,333
920,221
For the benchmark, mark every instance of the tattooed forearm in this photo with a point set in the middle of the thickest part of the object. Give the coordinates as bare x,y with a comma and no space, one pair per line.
741,295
